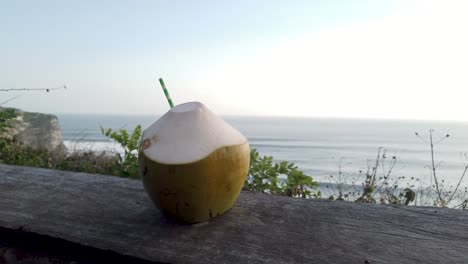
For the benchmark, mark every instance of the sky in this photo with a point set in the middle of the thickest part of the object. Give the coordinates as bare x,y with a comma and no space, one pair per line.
399,59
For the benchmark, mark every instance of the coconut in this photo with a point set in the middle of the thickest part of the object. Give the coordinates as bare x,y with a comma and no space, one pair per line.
193,164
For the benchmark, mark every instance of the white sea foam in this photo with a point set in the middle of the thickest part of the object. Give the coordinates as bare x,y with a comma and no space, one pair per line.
96,146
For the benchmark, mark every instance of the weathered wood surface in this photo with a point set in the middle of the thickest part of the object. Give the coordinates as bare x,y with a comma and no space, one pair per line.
115,214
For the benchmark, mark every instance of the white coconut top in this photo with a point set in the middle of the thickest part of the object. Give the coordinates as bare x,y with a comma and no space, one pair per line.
187,133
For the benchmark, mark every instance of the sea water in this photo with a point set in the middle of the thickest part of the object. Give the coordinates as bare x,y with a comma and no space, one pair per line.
317,146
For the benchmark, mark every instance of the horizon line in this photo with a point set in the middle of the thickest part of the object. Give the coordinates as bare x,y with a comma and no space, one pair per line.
282,116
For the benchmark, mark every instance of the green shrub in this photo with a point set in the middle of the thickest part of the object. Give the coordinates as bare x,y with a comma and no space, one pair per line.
264,176
6,116
129,144
91,162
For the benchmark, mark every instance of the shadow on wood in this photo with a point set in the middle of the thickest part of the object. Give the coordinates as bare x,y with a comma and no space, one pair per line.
109,213
19,246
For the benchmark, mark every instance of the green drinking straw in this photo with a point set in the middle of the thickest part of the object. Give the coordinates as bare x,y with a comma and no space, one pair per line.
168,97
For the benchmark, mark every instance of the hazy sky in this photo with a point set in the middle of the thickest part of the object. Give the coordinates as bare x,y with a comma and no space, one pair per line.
375,59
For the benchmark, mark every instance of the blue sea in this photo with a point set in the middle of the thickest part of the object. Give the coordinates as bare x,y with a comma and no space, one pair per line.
317,146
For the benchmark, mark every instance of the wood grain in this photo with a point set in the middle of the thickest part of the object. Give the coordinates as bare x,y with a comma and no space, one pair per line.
111,213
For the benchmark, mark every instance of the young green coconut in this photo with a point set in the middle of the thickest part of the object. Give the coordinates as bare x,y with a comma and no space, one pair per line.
193,164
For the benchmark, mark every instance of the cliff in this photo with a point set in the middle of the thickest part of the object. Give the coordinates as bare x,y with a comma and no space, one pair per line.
34,130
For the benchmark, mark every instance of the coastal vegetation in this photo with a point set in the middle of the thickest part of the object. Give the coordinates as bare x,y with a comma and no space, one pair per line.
378,184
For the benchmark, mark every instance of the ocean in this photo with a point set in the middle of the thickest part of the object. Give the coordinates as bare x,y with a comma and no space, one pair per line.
317,146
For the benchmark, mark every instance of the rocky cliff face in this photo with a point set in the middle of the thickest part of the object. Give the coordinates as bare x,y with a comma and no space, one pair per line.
35,130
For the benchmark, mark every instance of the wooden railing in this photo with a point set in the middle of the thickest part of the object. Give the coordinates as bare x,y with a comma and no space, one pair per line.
85,216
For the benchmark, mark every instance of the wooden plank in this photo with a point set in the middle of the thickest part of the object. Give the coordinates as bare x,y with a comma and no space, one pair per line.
115,214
